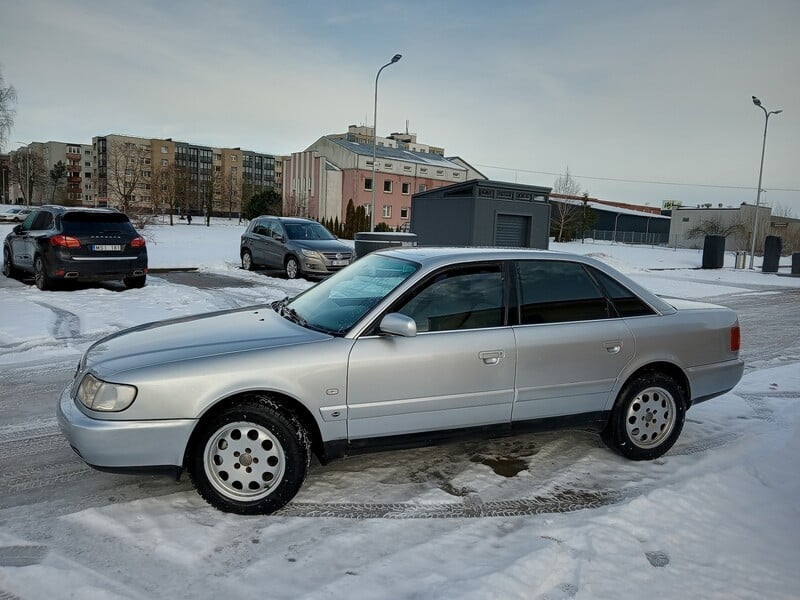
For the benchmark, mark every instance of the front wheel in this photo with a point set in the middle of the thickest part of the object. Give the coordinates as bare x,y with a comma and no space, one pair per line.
40,276
251,458
647,417
9,270
292,268
247,261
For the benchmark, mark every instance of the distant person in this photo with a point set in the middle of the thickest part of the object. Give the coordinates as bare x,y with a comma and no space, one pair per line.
189,218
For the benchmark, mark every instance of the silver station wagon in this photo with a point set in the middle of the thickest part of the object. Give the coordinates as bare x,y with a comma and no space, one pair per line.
403,347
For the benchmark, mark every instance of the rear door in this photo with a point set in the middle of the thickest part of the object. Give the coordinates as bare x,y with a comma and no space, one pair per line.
571,345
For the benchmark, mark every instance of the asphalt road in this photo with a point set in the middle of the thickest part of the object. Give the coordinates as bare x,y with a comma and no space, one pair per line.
39,472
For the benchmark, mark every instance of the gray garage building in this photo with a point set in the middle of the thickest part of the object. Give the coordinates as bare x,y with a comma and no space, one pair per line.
482,213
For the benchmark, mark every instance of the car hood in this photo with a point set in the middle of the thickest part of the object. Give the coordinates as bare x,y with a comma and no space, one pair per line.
224,332
323,245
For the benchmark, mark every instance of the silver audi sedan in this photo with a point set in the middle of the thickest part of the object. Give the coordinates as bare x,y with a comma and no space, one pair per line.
405,346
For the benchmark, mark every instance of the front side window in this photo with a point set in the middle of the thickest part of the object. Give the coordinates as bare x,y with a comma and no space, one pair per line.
558,291
261,227
468,297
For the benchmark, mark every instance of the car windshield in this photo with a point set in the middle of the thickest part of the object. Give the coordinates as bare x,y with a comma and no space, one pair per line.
307,231
338,303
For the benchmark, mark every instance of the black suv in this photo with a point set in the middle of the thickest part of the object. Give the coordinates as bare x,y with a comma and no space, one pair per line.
58,243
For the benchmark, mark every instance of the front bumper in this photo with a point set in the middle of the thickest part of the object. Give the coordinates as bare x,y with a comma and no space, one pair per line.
123,444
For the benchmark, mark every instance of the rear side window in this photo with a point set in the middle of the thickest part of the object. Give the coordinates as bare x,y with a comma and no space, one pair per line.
85,223
557,292
625,301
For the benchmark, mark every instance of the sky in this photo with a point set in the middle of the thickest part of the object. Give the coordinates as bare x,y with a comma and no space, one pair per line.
620,90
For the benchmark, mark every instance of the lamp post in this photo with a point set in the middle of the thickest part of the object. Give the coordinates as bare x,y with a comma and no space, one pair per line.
395,58
27,173
757,102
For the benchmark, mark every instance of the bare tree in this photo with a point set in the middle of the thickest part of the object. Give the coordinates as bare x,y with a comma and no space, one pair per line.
566,214
126,161
57,176
715,227
28,171
8,99
231,192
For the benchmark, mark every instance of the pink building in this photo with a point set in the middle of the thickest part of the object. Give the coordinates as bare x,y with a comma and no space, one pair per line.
320,181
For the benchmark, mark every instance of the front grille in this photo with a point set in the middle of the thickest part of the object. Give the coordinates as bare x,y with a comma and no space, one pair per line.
337,255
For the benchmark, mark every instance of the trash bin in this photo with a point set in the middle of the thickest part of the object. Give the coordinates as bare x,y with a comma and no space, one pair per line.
714,252
741,259
772,254
796,263
369,241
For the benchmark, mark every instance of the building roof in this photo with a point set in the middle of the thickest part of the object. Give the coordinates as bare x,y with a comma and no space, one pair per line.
384,152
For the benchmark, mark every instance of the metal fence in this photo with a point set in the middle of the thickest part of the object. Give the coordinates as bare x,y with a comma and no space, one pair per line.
629,237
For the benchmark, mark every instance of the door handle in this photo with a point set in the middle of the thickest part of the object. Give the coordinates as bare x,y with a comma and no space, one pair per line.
491,357
613,347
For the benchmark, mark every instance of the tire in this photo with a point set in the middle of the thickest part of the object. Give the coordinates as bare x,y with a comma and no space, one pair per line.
247,261
292,268
647,418
135,282
40,276
9,270
250,459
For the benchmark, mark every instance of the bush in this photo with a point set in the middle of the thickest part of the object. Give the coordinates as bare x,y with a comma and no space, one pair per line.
263,203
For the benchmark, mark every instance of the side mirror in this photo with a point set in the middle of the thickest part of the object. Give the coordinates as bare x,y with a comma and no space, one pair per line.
17,228
280,238
397,324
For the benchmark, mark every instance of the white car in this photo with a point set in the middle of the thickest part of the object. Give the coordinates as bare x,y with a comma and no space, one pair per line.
16,214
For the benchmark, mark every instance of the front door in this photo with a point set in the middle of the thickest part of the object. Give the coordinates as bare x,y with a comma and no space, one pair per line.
458,371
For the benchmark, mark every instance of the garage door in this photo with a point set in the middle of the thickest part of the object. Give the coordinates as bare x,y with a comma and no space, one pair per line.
512,231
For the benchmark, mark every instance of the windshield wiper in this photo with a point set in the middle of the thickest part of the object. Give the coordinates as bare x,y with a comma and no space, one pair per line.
281,307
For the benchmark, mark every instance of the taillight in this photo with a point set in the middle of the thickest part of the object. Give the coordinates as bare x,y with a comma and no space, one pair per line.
138,242
65,241
736,339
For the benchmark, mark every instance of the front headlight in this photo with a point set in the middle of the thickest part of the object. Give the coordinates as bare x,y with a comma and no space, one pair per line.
96,394
311,254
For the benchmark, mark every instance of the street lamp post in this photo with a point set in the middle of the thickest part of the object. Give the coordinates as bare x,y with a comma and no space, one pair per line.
757,102
395,58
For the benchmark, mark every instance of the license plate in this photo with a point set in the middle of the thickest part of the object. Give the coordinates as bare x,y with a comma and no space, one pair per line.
339,263
107,248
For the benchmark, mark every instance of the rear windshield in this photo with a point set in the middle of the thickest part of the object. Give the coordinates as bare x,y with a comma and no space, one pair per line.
78,223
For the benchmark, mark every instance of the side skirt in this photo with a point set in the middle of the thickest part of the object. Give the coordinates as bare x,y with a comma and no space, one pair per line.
594,421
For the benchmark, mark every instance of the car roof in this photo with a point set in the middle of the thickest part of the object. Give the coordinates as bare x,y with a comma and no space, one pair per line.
65,209
287,219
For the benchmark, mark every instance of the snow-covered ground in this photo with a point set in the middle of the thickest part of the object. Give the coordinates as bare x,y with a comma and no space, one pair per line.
552,515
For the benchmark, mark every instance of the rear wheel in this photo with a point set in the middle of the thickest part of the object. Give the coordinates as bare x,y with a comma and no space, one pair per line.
292,268
647,417
40,276
251,458
247,260
9,270
134,282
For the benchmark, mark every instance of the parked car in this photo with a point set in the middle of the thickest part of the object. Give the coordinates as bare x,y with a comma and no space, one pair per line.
301,247
16,214
405,346
57,243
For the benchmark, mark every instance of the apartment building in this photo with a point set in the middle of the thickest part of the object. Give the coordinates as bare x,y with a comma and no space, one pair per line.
32,171
155,174
320,181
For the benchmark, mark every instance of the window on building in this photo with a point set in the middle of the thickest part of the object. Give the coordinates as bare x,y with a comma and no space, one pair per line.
456,174
423,169
164,162
388,165
387,186
421,187
368,183
404,212
147,161
387,211
87,164
234,157
163,149
439,171
406,189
